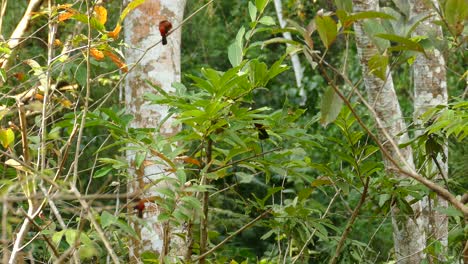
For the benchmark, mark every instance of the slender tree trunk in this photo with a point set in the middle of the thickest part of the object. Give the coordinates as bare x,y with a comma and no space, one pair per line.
408,234
161,66
430,89
296,62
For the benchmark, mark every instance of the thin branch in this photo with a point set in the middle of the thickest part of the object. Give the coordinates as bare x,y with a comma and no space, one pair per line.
350,222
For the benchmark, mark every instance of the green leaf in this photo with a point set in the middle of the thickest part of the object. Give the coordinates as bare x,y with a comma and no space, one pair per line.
331,106
102,172
70,236
373,27
139,158
403,6
3,75
383,198
267,21
450,211
7,136
107,219
126,228
406,43
327,29
378,66
57,237
261,4
235,49
252,11
193,202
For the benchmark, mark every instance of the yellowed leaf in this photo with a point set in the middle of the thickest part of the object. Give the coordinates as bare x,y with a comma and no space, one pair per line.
7,136
97,54
100,13
115,33
117,61
65,16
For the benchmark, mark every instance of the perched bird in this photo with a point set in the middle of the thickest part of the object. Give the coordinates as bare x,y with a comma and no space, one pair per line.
164,28
140,207
262,133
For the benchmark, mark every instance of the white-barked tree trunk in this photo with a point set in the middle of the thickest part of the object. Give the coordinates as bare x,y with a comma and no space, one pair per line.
161,66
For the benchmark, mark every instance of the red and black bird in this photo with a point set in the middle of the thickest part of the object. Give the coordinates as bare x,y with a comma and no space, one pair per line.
140,207
164,28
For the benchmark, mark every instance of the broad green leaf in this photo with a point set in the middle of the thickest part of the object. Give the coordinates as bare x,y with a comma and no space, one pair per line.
378,66
330,107
240,35
235,49
107,219
7,136
126,228
193,202
406,43
327,29
261,4
267,21
252,11
373,27
71,236
57,237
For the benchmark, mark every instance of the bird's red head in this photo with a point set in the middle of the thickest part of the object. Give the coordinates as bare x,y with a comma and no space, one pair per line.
164,28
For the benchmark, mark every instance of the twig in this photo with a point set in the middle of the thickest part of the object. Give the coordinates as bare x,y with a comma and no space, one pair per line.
350,222
233,235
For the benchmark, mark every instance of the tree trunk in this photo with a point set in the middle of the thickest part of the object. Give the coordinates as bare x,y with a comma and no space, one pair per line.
430,89
296,63
408,234
161,66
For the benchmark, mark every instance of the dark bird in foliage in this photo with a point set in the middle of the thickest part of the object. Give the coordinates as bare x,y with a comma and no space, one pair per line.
262,133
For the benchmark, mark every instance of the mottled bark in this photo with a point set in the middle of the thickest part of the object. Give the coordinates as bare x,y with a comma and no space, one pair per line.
430,89
408,234
161,66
